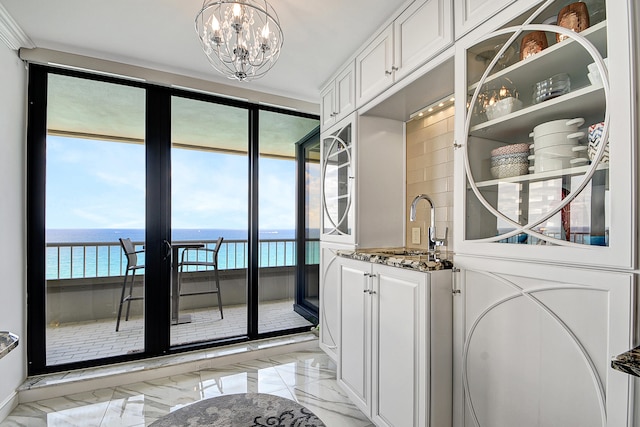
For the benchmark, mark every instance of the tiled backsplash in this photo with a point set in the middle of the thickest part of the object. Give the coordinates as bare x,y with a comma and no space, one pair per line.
430,171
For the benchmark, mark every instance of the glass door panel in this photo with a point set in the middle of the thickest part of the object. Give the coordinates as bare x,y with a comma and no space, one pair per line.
95,196
537,173
336,183
209,201
279,135
312,210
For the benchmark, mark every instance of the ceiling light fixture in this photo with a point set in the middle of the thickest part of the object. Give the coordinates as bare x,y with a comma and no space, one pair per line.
242,38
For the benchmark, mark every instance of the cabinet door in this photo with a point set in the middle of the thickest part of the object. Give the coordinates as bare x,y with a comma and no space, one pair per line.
537,174
327,106
354,348
345,92
537,342
329,297
471,13
420,32
338,186
374,65
399,346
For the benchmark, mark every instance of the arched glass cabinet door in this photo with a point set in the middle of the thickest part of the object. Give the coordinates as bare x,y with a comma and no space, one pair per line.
537,170
337,183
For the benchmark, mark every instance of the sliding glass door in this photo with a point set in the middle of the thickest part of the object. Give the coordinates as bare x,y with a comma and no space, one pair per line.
158,220
209,201
279,137
95,199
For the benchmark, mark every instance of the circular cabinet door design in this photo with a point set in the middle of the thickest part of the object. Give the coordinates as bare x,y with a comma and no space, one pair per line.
536,156
337,175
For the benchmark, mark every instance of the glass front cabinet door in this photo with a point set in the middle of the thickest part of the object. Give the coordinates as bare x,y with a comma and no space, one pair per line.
545,138
338,176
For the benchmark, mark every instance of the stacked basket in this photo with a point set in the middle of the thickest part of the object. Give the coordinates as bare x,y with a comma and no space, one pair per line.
510,160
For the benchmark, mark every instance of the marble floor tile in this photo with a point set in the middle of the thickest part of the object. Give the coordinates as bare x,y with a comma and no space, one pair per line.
326,399
307,377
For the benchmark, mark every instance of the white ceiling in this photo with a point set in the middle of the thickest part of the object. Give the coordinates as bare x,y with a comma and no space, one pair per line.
159,34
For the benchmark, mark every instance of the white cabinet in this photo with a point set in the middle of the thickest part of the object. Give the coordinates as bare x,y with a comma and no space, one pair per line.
374,67
394,357
424,29
353,153
329,308
534,345
471,13
421,31
578,208
338,154
337,100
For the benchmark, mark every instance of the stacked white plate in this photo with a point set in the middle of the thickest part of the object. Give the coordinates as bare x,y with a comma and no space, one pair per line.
556,145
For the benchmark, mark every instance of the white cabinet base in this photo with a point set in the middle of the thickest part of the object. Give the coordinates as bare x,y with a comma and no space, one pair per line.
395,347
535,344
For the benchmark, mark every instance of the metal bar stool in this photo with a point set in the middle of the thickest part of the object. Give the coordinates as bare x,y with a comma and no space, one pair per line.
132,266
209,261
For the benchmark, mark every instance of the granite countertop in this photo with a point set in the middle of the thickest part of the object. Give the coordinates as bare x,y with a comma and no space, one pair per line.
628,362
413,259
8,342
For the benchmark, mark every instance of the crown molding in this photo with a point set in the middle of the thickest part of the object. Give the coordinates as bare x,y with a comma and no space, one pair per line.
11,33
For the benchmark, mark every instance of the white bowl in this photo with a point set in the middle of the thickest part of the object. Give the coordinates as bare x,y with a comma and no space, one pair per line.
503,107
558,151
555,126
594,68
554,139
595,78
551,163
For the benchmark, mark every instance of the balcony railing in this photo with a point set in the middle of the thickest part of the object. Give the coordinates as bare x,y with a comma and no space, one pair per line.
106,259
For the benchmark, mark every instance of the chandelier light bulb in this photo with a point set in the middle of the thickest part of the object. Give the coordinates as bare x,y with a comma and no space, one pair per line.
215,25
242,39
237,10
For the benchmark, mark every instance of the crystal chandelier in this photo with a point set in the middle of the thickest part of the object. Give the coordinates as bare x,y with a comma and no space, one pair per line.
242,38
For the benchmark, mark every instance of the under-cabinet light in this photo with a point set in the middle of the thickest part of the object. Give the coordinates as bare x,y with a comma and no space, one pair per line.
435,107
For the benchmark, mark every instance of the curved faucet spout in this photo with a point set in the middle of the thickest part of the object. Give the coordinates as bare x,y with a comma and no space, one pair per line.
414,203
433,241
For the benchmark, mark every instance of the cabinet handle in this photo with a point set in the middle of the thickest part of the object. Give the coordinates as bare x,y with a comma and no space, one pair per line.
387,72
394,68
373,275
366,291
372,292
456,145
454,284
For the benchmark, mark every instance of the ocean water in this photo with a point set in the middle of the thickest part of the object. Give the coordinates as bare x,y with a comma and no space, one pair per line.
78,253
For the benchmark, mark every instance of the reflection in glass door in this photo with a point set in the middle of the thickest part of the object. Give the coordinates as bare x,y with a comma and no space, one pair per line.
95,196
308,297
279,135
209,201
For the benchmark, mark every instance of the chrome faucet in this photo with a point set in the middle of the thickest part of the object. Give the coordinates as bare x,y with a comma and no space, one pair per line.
433,241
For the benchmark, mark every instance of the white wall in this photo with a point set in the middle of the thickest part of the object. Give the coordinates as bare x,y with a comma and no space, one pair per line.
12,223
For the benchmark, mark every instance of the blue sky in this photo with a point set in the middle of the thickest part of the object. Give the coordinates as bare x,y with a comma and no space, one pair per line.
98,184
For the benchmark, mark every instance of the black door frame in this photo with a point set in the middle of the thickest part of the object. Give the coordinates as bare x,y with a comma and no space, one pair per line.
157,218
302,306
